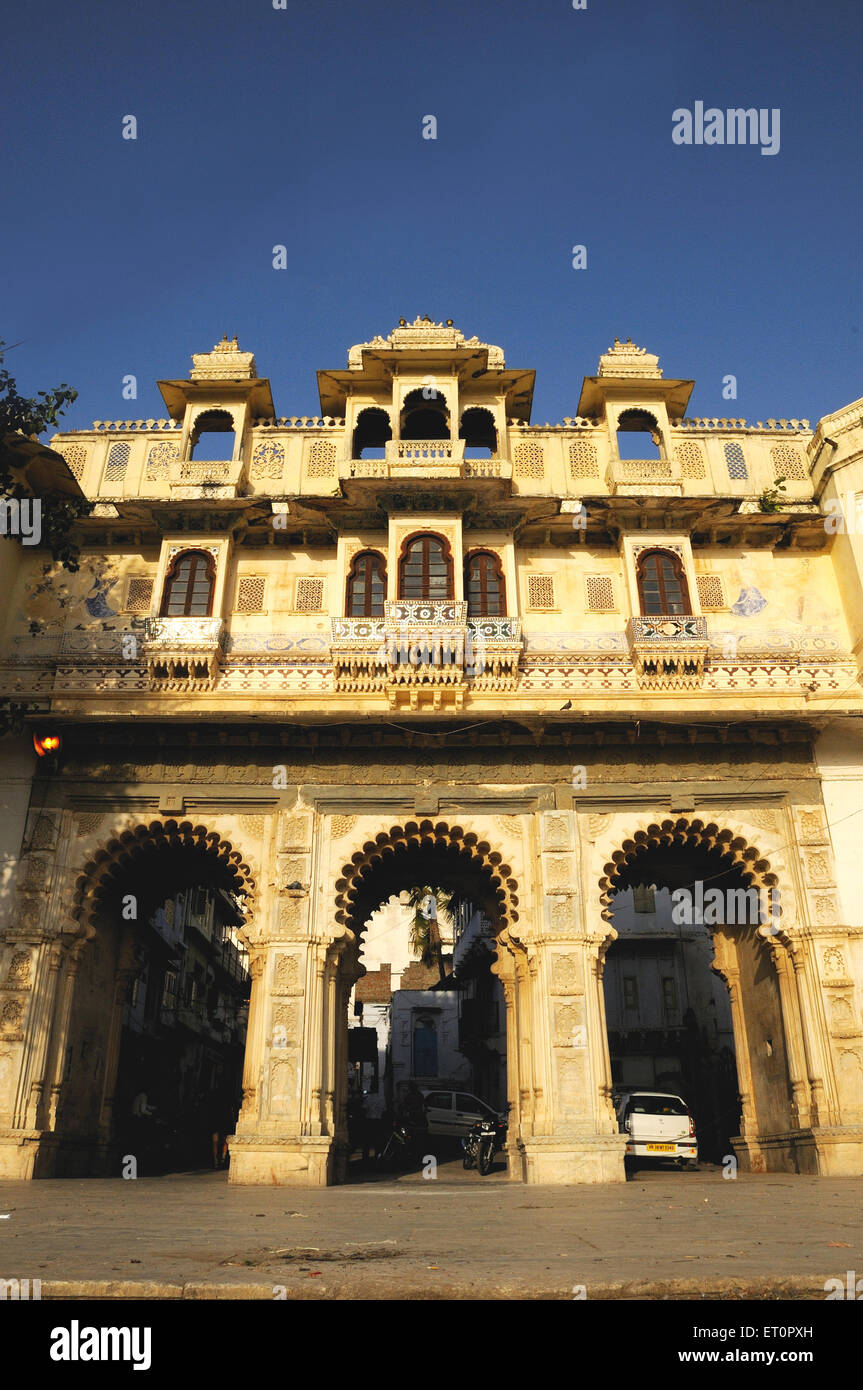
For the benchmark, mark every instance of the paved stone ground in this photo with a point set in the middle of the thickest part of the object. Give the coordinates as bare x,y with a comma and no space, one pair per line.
193,1235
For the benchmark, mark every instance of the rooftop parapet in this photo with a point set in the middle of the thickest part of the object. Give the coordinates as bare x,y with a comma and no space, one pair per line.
628,360
225,363
423,333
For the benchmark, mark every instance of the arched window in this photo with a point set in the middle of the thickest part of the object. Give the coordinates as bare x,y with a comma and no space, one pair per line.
212,438
484,586
425,415
189,586
638,435
425,570
372,433
662,584
477,429
367,585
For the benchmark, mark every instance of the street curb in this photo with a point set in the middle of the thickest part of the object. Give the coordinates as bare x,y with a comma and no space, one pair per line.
797,1287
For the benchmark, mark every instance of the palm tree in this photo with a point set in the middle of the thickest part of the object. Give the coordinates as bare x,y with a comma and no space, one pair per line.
424,931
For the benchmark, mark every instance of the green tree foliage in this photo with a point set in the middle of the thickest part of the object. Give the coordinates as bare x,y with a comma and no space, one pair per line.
30,416
772,498
425,940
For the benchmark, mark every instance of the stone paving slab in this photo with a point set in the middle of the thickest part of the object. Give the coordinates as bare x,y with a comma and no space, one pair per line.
665,1235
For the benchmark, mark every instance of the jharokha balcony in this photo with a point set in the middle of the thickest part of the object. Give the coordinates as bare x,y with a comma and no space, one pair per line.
425,652
428,458
183,653
668,649
197,479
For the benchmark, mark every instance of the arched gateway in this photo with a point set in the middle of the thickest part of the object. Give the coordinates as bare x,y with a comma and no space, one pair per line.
720,880
149,901
459,862
309,994
294,903
339,695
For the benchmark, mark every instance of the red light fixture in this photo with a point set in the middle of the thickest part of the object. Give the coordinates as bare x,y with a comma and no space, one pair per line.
47,745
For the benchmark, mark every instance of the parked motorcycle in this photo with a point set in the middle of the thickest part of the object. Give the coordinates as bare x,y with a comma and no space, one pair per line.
402,1147
483,1142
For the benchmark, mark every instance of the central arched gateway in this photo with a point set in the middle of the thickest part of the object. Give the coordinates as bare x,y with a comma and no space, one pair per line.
457,861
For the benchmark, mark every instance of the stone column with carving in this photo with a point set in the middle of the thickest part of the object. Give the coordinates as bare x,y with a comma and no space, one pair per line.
823,1098
122,984
726,967
282,1136
344,959
248,1116
580,1142
504,968
795,1052
30,960
830,985
72,954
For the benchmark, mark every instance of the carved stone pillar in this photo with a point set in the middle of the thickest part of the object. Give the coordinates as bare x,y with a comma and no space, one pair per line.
797,1068
836,994
521,983
254,1045
316,1054
122,984
27,1057
47,977
285,1132
504,968
725,965
71,967
598,1052
573,1137
345,972
578,1142
279,1140
825,1099
820,1109
332,1040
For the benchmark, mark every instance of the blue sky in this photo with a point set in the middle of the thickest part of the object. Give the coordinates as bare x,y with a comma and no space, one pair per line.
303,127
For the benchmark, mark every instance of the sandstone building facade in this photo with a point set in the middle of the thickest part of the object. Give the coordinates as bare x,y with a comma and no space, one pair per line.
420,639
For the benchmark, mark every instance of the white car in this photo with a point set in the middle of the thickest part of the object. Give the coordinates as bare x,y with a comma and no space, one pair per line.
658,1125
454,1113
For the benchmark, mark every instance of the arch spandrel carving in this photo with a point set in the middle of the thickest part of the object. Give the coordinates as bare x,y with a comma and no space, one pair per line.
460,852
759,855
128,849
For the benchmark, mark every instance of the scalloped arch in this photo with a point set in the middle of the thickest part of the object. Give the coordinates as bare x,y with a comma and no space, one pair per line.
734,847
130,847
458,853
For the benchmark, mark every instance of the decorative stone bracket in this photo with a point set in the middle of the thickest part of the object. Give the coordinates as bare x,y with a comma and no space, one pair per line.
183,653
669,650
425,651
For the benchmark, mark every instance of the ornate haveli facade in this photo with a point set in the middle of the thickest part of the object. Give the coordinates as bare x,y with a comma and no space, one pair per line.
420,639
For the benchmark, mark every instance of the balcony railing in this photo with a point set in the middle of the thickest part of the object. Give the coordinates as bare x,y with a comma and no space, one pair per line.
422,451
183,653
637,476
192,478
441,613
424,649
440,458
668,649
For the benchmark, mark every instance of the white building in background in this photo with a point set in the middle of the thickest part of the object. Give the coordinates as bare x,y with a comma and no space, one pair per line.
425,1038
668,1013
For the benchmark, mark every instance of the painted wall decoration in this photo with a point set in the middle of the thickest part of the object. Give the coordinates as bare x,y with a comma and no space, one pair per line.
749,601
55,598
